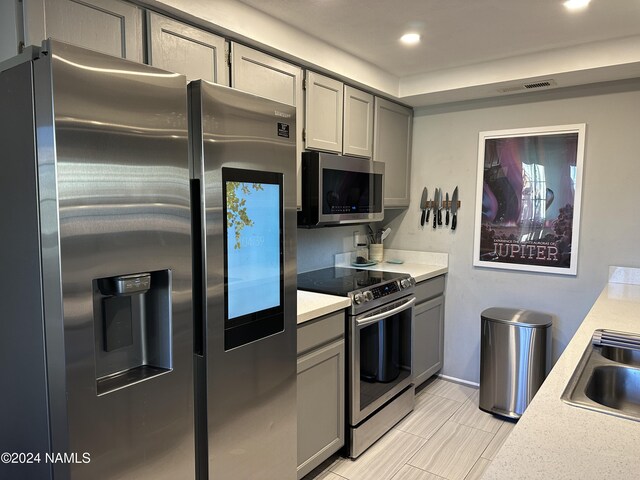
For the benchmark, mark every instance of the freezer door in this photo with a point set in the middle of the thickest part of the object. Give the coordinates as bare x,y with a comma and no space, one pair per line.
115,223
23,403
244,160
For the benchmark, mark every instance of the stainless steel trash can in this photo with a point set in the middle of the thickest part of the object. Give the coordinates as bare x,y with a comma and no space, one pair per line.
515,358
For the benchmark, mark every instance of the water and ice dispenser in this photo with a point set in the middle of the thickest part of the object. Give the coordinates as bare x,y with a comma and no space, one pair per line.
132,316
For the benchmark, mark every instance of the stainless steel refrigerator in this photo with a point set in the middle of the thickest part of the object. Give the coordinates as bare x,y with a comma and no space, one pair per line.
244,210
96,337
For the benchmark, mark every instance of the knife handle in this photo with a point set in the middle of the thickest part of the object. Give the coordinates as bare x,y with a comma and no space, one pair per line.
446,218
424,214
454,221
435,218
439,217
428,212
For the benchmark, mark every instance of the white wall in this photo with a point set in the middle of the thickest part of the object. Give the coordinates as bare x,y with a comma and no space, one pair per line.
445,155
317,246
588,63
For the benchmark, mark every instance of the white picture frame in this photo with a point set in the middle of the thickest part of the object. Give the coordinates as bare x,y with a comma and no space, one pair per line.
528,198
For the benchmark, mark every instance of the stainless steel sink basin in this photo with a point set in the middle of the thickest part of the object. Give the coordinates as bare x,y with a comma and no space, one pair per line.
607,378
615,387
627,356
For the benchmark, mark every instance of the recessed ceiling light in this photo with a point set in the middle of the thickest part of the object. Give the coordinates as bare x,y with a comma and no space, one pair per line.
410,38
576,4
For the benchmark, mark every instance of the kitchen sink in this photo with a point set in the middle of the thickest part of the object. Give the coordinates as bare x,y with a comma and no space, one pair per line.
615,387
607,378
628,356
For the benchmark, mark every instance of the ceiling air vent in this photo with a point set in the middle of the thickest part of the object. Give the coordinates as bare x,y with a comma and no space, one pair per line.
528,86
545,83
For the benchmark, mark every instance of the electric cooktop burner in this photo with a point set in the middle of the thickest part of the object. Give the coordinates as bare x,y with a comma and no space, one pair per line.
342,281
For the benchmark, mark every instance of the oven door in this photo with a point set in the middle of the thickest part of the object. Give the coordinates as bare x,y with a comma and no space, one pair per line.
380,356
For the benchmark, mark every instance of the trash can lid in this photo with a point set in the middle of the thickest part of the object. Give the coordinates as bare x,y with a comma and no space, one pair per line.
519,317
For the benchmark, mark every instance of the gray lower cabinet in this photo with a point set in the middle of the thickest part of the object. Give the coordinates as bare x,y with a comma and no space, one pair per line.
320,385
181,48
428,329
113,27
392,145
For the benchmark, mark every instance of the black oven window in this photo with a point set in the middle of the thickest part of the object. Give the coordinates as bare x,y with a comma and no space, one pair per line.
385,356
253,240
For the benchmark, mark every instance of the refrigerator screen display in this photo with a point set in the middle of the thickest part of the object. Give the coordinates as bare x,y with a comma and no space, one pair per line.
253,231
253,250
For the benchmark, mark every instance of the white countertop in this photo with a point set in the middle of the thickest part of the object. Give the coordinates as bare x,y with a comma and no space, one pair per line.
420,265
313,305
554,440
419,271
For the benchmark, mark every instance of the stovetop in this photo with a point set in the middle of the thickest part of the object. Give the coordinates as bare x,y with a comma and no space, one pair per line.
366,288
342,281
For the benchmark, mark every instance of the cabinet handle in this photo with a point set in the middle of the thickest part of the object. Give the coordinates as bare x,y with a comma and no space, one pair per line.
369,320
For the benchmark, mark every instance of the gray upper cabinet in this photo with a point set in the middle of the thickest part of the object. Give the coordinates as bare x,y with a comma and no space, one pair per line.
392,145
323,114
339,118
264,75
181,48
267,76
358,122
108,26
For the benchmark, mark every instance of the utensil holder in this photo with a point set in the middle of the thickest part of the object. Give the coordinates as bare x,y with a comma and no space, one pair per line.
376,252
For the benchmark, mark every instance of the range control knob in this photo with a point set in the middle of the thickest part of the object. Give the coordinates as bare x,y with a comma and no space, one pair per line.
405,283
358,298
368,296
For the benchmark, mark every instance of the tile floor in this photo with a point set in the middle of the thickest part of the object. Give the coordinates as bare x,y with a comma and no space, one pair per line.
445,437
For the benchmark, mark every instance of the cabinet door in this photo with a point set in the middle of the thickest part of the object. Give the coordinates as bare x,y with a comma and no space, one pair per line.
358,122
10,37
323,115
320,405
428,339
264,75
108,26
181,48
392,145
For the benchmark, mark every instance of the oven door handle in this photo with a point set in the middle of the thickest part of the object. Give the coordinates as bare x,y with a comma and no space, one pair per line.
376,318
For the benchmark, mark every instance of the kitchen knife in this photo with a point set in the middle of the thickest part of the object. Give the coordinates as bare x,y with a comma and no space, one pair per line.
439,207
428,209
454,209
435,207
447,205
423,206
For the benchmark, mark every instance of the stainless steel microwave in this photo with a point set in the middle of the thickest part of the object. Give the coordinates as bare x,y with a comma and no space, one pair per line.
339,190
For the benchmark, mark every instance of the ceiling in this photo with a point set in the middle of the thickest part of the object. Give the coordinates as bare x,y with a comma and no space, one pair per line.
454,32
473,48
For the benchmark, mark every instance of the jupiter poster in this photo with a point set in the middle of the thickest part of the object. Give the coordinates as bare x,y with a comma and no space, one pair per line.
528,199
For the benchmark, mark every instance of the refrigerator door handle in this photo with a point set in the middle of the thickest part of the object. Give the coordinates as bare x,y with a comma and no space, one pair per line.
199,307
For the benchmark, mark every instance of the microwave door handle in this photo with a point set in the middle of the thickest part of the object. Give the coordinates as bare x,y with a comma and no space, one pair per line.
376,318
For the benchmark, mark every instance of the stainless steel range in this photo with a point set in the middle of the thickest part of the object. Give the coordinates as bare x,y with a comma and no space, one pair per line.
380,389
